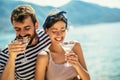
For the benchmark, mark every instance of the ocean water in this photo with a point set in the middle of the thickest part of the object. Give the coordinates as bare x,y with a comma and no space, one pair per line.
101,48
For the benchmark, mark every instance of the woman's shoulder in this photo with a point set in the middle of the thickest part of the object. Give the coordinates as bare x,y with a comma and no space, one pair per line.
76,43
42,59
44,52
43,55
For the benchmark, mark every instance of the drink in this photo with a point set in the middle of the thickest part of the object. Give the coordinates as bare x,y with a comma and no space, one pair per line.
67,46
25,40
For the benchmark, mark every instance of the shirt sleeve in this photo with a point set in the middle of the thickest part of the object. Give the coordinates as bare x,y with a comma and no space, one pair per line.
3,60
44,39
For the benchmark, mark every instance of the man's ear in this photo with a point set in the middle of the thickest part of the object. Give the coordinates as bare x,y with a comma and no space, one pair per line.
46,30
36,25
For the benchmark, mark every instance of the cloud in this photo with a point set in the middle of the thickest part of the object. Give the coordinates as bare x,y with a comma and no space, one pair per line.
55,3
109,3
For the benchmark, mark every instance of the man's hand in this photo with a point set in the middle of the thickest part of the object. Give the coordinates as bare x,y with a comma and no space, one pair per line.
15,48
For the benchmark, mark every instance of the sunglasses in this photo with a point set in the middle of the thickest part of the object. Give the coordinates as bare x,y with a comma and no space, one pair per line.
57,17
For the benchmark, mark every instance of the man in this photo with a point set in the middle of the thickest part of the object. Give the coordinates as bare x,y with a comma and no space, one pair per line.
14,63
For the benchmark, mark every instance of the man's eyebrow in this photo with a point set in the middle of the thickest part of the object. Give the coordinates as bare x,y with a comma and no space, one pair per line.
16,27
26,26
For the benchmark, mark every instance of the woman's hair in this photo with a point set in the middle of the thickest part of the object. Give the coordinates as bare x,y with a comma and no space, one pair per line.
54,17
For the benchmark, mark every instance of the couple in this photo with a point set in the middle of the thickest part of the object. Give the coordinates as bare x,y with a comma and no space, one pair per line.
33,62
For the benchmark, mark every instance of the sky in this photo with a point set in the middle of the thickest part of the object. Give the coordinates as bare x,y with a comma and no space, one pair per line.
108,3
57,3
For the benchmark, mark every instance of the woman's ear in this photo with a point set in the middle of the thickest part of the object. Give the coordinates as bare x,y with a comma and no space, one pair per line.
36,25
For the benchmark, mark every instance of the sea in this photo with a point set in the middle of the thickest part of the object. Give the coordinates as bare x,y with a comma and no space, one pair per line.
100,44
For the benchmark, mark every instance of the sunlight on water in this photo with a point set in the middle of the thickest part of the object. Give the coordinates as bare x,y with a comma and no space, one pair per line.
101,48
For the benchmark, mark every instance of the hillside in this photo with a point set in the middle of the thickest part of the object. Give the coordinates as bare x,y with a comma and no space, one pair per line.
83,13
78,13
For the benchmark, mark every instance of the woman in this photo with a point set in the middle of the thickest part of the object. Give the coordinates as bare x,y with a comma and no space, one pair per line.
50,64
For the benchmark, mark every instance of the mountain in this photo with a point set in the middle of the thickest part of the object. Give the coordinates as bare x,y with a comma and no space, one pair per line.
78,13
82,13
6,8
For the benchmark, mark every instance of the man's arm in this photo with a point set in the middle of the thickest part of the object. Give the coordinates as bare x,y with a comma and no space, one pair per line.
9,71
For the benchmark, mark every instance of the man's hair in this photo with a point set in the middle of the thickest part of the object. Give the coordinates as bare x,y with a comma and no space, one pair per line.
20,13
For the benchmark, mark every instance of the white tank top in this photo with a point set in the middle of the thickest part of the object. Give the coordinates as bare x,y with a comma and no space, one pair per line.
59,71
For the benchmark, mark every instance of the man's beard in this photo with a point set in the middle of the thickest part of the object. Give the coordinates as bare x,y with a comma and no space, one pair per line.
31,37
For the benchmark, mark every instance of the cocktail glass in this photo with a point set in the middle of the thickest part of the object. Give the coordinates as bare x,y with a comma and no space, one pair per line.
67,46
24,40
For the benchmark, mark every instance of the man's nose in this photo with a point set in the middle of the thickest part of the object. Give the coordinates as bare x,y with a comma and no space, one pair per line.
23,33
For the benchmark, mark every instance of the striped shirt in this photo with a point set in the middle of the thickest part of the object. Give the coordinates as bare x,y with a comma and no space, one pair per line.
25,70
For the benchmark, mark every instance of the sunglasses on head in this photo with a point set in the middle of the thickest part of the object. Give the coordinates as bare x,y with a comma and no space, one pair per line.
56,17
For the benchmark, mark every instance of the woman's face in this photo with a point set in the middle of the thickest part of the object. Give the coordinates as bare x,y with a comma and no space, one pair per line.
57,32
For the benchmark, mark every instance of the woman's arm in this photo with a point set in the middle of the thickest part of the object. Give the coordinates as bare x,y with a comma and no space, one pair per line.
78,62
41,65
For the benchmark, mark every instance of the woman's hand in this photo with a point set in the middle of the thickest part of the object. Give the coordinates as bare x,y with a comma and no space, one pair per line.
72,58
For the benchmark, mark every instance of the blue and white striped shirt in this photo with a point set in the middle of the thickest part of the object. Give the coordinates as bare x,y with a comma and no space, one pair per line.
26,70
